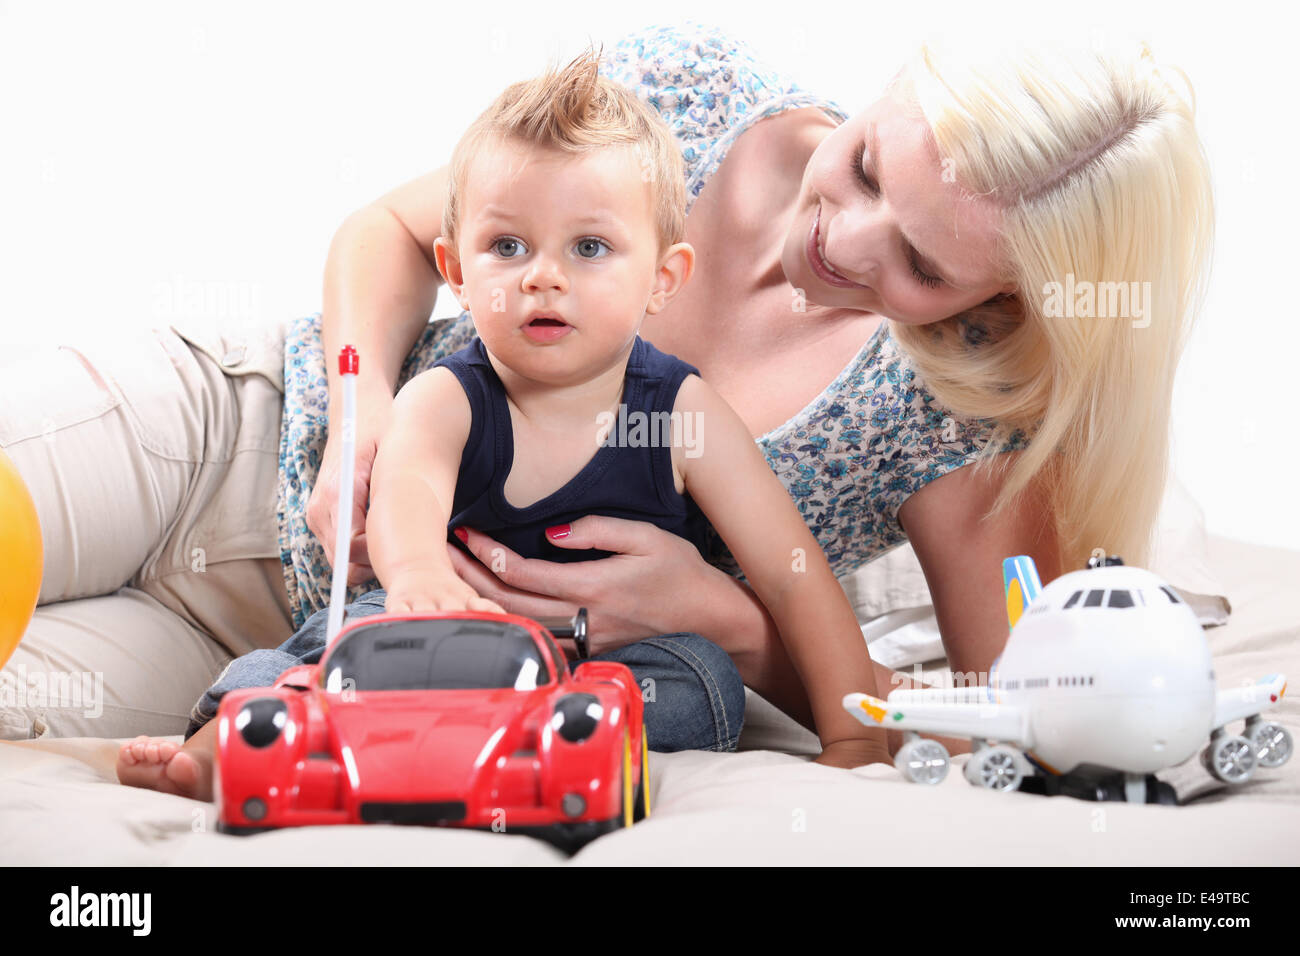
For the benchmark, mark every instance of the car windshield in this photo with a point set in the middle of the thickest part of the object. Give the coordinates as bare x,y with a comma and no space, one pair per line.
435,654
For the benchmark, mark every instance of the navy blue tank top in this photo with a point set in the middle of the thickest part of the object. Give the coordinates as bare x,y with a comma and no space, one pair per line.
630,476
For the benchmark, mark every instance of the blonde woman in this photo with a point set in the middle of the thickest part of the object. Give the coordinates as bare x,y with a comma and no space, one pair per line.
896,303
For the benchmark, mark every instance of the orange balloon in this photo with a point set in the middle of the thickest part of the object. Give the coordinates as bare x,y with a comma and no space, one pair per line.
22,557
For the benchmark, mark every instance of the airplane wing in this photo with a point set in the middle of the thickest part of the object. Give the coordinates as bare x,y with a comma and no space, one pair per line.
1249,700
966,712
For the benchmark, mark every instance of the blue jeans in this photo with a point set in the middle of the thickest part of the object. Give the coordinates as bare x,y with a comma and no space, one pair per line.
694,697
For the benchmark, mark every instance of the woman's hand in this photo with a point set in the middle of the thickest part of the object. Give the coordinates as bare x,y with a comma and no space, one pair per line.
654,583
374,408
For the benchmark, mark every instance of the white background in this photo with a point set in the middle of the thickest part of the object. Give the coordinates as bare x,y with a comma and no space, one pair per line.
161,160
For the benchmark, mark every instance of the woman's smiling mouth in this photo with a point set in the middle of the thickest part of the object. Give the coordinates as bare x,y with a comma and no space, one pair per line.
817,260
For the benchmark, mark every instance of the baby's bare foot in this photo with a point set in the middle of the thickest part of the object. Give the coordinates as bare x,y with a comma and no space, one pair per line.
157,764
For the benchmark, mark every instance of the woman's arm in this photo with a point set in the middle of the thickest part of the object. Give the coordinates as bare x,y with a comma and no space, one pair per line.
961,554
380,287
381,282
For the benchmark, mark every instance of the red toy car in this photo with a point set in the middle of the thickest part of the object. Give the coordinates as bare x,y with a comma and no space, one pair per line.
464,719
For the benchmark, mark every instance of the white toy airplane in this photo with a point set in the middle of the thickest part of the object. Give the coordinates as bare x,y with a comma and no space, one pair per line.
1106,672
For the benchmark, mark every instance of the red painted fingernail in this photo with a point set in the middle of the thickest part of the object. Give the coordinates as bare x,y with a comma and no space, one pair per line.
558,531
462,534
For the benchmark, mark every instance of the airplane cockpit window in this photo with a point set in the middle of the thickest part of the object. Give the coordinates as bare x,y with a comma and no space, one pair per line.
1100,597
1171,595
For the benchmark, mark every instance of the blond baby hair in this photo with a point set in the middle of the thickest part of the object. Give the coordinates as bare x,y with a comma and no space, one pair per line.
573,110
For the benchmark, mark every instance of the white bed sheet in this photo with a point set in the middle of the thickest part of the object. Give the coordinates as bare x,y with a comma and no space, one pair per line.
60,802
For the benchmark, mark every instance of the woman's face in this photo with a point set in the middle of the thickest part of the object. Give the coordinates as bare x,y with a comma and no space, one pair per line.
881,226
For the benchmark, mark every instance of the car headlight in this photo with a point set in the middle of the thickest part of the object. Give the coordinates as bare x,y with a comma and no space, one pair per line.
577,716
260,721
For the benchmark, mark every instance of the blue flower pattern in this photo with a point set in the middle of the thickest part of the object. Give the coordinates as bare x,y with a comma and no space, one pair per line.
849,459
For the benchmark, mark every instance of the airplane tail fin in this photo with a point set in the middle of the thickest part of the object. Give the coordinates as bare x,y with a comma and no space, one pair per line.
1020,584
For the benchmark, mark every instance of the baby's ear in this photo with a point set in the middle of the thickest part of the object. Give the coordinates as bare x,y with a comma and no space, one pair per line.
444,255
675,269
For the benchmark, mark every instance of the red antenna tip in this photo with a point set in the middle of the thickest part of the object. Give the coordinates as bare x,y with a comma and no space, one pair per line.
348,361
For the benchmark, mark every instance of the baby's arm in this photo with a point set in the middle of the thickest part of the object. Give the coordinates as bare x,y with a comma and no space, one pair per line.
751,510
412,488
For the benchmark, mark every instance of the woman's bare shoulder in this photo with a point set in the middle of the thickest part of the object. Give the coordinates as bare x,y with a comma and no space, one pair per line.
761,173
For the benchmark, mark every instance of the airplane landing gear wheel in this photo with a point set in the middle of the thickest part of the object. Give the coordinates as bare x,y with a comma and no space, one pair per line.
997,768
922,761
1273,743
1135,788
1231,758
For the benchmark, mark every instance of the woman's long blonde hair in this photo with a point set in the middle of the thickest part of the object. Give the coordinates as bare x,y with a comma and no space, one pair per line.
1093,158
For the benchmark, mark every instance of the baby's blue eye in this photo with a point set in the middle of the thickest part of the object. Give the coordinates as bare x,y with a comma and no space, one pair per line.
590,248
508,248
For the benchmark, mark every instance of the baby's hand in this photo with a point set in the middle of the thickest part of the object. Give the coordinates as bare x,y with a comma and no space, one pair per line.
857,752
426,593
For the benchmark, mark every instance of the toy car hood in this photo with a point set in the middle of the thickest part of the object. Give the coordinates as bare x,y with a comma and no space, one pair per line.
431,746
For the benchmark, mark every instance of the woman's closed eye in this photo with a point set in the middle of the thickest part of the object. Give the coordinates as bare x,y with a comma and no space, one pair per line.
922,277
861,174
870,185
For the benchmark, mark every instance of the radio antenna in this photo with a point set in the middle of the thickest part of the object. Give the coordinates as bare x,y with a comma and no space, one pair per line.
348,366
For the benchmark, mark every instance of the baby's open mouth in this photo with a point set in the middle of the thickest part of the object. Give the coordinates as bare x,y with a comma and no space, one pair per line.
546,326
